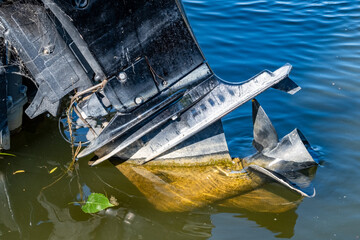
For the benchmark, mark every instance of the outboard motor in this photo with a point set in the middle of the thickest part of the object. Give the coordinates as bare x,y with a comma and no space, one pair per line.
141,87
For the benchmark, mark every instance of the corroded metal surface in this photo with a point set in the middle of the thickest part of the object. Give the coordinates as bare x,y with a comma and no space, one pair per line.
224,182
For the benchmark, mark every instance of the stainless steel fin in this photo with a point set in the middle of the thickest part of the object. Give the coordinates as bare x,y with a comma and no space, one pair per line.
265,136
190,98
299,183
123,124
287,85
223,99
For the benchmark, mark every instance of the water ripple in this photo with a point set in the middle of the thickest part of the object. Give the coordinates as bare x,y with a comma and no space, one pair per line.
321,40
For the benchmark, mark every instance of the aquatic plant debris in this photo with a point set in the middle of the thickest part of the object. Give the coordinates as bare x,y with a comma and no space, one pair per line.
19,171
95,203
52,170
7,154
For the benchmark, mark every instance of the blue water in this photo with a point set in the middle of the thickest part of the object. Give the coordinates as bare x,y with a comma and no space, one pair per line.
321,39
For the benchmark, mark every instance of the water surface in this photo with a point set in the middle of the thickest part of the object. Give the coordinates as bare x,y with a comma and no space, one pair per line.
239,39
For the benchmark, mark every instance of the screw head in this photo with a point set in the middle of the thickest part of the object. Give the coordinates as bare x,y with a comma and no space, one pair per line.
97,77
139,100
122,76
47,50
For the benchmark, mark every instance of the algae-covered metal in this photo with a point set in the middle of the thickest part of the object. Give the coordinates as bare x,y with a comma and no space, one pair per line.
176,188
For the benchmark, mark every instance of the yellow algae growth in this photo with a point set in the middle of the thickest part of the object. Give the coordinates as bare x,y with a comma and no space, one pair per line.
265,199
183,187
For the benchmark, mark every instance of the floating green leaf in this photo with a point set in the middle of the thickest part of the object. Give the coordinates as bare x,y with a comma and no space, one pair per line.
95,203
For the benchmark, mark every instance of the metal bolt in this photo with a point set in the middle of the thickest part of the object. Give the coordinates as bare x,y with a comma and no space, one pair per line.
97,77
164,83
47,50
139,100
122,76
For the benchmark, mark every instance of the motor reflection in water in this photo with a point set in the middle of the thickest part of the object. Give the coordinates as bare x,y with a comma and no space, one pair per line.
179,203
182,203
156,201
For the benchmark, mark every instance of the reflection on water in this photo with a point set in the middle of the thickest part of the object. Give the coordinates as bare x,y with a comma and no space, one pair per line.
155,202
7,218
282,225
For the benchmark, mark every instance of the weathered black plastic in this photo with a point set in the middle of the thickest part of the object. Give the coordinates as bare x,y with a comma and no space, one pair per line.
63,55
119,32
137,87
43,51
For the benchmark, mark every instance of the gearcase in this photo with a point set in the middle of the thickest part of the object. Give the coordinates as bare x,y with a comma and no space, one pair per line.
141,88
